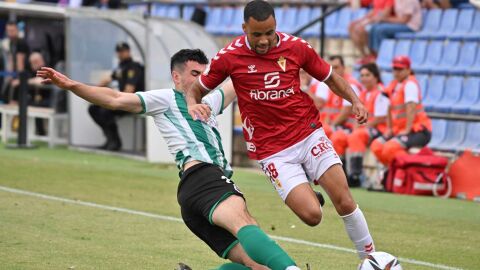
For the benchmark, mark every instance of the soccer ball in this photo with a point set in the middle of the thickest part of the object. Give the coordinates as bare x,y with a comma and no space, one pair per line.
380,261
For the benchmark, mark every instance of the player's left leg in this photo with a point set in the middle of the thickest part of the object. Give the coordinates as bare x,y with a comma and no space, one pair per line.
335,184
325,167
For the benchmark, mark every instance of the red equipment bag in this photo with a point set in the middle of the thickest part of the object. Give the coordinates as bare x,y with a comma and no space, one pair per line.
419,174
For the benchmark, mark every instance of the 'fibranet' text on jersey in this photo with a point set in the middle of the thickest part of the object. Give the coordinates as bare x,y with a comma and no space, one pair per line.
275,112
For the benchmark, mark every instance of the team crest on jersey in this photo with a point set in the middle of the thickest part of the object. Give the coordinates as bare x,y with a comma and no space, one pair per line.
252,69
282,62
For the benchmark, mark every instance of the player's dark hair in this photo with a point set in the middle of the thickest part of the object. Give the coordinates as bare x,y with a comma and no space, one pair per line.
373,68
180,58
259,10
11,22
338,57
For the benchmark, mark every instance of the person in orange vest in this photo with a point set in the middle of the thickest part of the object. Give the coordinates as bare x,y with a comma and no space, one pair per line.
408,124
336,113
376,102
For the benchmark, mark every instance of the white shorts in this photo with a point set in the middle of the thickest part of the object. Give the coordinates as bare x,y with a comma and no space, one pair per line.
303,162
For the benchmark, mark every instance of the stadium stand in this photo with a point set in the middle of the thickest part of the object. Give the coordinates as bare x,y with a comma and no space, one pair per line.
444,55
470,96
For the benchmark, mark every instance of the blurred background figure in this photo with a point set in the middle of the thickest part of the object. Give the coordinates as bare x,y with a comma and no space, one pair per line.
130,77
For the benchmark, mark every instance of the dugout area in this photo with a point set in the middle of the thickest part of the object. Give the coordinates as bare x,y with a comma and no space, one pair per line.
90,36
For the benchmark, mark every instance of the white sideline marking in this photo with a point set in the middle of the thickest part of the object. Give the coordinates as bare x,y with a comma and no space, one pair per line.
169,218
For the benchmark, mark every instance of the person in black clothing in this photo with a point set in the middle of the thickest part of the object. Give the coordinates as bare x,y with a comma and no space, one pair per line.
17,61
130,77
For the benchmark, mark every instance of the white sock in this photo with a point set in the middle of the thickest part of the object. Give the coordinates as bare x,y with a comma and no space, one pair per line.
357,230
292,268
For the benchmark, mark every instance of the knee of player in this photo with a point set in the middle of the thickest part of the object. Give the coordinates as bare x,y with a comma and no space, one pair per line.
345,205
312,217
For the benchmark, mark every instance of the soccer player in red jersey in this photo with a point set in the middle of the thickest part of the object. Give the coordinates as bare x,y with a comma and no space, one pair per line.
281,125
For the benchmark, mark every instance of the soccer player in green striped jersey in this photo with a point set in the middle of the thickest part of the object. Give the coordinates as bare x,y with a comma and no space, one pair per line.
212,206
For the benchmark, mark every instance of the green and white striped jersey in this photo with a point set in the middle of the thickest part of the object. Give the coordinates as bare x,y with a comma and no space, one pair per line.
186,138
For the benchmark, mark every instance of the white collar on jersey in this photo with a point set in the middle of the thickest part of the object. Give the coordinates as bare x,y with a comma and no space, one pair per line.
278,43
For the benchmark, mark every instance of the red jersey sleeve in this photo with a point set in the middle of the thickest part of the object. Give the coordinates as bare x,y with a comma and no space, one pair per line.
216,72
312,63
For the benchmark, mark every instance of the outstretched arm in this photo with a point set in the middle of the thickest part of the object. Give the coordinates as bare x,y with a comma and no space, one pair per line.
102,96
341,88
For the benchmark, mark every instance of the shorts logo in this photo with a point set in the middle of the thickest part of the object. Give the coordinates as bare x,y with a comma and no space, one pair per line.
229,181
272,79
272,173
323,146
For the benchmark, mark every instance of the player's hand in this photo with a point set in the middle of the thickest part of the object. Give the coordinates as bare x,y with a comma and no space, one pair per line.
360,112
199,112
50,75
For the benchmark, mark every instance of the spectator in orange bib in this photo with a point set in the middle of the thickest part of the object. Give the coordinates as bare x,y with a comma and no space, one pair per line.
408,124
376,102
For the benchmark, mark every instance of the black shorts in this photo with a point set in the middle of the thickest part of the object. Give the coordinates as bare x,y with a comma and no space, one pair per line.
202,187
415,139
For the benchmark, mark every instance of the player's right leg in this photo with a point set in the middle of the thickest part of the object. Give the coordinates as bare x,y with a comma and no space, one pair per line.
287,175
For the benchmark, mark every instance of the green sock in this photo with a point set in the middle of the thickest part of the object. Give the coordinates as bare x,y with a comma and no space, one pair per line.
232,266
263,249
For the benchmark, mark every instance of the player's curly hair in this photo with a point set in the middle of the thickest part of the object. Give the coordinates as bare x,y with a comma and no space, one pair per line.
259,10
180,58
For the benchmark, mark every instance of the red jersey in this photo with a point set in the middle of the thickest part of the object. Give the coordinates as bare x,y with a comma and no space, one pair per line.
275,113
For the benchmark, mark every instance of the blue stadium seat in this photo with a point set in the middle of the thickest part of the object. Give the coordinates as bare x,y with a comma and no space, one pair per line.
472,138
463,25
343,20
436,87
474,34
449,21
173,11
434,55
439,132
418,53
422,80
289,19
226,21
449,58
188,12
159,10
214,19
359,13
304,17
314,30
403,47
387,78
454,137
331,24
475,69
432,24
466,59
235,27
470,96
451,96
385,54
475,108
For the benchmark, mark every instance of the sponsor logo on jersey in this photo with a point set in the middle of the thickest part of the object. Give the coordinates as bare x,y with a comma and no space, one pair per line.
321,147
251,147
271,95
282,62
252,69
272,79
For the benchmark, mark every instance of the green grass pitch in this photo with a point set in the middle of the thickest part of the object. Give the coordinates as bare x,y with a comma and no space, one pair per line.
38,233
